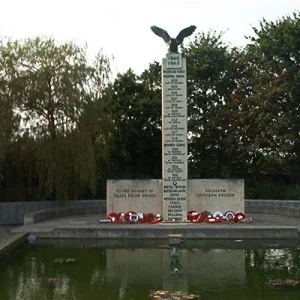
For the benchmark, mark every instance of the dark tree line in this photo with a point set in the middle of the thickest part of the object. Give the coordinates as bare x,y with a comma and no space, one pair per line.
66,127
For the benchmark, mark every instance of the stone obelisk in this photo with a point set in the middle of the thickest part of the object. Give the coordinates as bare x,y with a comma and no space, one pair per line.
174,137
174,126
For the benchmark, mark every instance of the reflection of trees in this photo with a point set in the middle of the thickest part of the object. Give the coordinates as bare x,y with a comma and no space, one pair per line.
23,277
21,280
89,276
295,257
254,258
262,265
33,264
273,263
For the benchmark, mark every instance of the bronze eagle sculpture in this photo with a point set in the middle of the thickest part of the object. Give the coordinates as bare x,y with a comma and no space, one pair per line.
173,43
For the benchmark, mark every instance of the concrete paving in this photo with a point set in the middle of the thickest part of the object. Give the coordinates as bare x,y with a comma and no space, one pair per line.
262,227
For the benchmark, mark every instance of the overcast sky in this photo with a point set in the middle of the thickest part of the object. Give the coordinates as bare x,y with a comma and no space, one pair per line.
122,27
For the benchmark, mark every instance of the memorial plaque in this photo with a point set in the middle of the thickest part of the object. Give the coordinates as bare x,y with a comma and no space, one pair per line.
173,61
141,196
174,136
216,195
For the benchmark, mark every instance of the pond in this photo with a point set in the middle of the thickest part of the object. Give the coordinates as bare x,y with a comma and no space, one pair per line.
140,270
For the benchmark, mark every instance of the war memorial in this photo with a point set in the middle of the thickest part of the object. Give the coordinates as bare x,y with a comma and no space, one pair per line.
175,195
111,249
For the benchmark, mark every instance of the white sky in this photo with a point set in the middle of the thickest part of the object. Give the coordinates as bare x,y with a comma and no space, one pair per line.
122,27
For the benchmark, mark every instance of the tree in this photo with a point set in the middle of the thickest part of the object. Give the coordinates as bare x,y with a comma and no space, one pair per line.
135,107
57,95
212,75
274,55
7,127
8,122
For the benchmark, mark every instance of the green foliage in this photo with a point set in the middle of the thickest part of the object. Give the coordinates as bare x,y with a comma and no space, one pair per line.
272,191
64,131
6,130
212,75
65,128
274,57
292,192
135,108
265,190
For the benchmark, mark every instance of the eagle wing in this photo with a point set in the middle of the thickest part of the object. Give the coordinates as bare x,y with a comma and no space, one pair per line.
185,33
162,33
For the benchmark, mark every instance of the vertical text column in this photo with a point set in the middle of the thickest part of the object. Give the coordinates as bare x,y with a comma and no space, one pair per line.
174,137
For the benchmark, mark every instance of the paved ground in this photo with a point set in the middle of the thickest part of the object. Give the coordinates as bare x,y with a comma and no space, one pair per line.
88,226
259,221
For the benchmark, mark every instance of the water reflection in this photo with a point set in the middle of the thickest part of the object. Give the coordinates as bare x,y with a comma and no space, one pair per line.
176,279
274,262
128,274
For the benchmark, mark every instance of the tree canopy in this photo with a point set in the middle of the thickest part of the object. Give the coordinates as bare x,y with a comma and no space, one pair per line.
66,126
62,130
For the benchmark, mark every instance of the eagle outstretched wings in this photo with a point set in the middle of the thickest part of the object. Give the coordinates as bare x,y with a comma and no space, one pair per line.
173,43
162,33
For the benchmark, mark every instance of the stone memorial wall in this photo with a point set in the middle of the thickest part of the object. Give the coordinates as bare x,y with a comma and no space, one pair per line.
203,194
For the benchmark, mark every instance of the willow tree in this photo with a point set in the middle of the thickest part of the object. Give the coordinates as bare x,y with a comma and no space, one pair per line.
52,88
7,125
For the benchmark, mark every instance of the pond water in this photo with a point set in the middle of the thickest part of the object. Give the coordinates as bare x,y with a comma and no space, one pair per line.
130,270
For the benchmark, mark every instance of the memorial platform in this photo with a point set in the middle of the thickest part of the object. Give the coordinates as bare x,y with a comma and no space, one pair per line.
263,226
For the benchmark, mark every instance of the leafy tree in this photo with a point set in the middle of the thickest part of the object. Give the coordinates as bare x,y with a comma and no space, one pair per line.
57,95
7,125
274,56
135,107
212,74
8,122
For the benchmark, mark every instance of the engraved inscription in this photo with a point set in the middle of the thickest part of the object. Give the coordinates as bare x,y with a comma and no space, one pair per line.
174,140
216,193
134,193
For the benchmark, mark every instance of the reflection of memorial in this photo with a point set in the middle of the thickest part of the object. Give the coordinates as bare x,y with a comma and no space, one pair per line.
207,267
175,278
136,265
216,266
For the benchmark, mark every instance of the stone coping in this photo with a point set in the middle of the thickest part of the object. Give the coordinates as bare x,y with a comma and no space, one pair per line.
271,202
12,213
43,215
275,207
12,243
189,244
187,232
